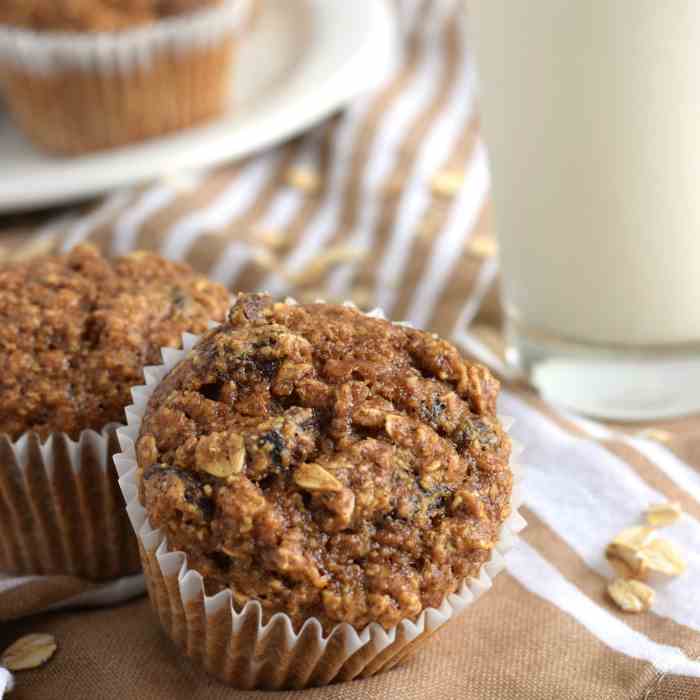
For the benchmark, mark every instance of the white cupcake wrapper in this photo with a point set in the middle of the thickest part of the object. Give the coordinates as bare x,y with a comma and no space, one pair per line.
45,53
61,511
237,647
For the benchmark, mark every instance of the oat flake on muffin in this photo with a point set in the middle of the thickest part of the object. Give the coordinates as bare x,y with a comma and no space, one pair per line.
77,330
327,464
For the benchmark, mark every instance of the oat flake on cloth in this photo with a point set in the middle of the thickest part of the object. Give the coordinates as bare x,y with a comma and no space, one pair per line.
355,210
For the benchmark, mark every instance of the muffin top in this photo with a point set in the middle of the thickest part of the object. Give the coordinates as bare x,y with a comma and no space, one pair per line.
326,463
76,331
93,15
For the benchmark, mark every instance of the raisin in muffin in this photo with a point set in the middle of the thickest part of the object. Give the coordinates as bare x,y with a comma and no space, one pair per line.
327,464
86,75
75,333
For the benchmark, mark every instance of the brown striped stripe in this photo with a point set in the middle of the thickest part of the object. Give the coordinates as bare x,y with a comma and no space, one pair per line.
27,598
679,435
685,445
423,246
517,645
422,8
541,406
490,311
657,628
408,152
15,247
207,249
352,197
156,229
313,201
645,469
652,475
253,274
460,284
683,428
252,277
687,449
511,645
101,235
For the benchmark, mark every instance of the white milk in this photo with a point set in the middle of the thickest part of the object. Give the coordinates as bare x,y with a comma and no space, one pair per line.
591,112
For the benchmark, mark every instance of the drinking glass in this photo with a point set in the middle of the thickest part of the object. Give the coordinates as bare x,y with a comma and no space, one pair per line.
591,115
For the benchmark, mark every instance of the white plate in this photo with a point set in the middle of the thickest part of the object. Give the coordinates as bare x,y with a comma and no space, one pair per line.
305,59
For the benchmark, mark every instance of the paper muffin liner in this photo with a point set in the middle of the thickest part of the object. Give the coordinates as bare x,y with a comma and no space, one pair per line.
74,92
237,647
61,509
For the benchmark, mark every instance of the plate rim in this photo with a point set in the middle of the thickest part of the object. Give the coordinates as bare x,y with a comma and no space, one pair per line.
49,182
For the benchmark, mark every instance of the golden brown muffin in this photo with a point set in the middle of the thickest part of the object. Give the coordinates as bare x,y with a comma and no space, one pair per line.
326,464
93,15
76,331
131,70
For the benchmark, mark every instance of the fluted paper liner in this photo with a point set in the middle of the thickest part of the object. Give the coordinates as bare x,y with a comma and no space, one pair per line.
61,510
74,92
237,647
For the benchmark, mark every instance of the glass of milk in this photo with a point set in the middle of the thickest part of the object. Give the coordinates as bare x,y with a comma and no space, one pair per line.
591,114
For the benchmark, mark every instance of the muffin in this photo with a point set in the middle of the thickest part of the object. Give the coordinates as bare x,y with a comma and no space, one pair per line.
326,468
86,75
75,333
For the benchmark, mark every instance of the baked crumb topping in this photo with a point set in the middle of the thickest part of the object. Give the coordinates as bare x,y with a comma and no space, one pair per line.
326,463
77,330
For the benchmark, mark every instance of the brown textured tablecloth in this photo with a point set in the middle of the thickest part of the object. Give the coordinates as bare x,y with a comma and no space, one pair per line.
387,203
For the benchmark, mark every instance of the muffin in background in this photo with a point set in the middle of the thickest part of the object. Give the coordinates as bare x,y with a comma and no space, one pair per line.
75,333
87,75
339,473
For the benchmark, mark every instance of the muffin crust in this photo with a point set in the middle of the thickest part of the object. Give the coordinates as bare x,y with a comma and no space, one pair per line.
76,331
326,464
93,15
